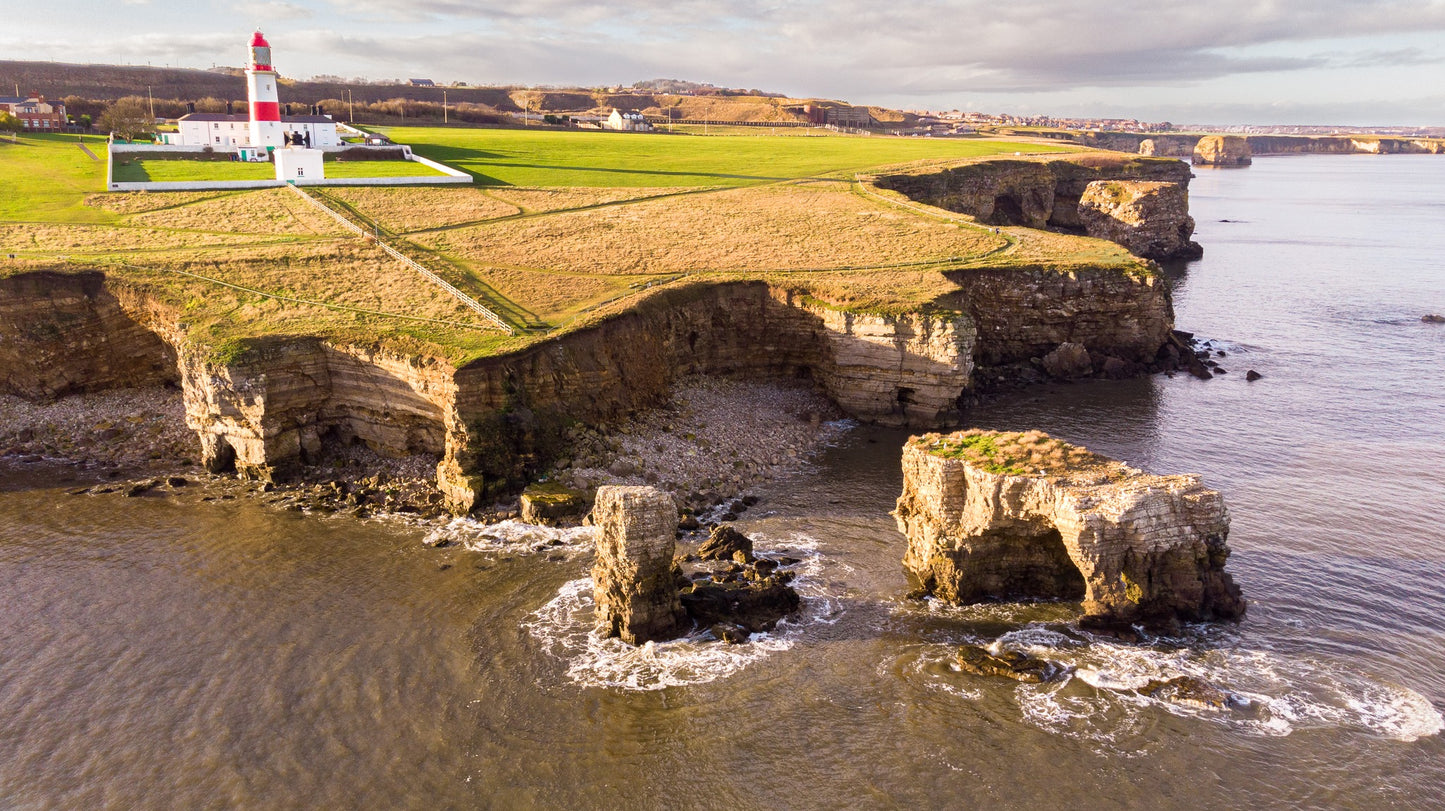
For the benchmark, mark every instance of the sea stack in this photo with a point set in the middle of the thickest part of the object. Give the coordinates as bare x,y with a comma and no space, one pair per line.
1222,150
1009,516
1149,219
633,581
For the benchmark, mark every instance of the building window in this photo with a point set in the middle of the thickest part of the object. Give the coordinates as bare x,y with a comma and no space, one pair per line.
218,139
300,172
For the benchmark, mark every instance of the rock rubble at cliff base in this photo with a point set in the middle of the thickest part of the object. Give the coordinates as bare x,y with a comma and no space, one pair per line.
712,441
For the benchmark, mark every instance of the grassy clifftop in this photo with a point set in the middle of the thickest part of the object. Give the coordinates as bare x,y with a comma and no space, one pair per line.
561,229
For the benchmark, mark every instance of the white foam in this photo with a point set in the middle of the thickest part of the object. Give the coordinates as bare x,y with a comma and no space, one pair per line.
1271,693
512,537
564,627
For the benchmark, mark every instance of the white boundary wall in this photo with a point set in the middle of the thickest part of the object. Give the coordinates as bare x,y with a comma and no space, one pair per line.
450,176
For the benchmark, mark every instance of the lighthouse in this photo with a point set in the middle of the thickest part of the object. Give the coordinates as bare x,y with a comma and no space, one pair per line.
266,128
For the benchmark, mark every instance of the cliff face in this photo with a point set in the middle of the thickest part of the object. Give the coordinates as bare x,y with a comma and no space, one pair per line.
1222,150
1133,547
499,421
68,333
1140,204
1182,146
1149,219
276,407
1036,194
1020,315
895,370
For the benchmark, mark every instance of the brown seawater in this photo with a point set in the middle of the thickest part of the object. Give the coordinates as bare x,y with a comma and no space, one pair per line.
163,651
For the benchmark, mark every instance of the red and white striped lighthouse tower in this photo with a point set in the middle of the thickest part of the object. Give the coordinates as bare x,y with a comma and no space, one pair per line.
261,89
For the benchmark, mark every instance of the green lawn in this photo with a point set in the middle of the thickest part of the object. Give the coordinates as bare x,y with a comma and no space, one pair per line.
46,177
134,170
379,169
171,169
568,158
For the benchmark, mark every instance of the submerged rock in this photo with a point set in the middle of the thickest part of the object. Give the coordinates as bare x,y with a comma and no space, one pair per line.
1433,318
1009,664
1192,692
754,603
633,580
992,515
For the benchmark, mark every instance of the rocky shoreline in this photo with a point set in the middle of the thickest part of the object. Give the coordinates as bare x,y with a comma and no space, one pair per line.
709,444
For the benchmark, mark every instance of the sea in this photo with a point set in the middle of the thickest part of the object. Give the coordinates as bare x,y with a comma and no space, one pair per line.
169,651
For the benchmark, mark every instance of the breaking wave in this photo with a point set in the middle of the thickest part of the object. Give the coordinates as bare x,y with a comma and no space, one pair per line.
1267,692
564,629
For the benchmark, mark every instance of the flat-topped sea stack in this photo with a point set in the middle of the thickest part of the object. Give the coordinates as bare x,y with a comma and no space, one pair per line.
1149,219
633,581
1222,150
1013,516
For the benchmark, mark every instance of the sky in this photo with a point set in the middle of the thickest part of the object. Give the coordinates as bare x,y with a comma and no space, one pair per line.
1262,62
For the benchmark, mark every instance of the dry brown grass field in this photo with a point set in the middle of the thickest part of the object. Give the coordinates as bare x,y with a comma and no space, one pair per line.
803,226
276,212
548,259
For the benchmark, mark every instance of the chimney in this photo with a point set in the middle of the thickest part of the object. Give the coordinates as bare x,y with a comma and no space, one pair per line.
228,108
287,108
190,107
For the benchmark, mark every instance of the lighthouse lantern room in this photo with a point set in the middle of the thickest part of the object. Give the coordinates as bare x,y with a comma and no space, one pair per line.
266,130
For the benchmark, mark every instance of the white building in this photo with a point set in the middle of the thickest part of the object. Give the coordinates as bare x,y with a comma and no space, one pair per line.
631,121
265,127
296,164
222,131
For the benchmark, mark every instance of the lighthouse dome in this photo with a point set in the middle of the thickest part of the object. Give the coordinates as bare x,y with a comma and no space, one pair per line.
258,39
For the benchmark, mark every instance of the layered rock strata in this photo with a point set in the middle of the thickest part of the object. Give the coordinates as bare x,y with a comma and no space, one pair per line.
1022,516
1222,150
1149,219
1031,193
1182,146
634,585
495,423
64,333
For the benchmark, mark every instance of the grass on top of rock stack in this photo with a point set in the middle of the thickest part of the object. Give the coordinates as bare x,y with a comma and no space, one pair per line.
1012,453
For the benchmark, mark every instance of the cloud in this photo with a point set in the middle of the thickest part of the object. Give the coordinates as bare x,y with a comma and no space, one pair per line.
1033,53
279,10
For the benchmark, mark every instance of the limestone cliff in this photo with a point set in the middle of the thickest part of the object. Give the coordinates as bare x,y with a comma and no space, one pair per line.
1182,146
499,421
1032,193
1149,219
69,333
275,406
1018,516
1222,150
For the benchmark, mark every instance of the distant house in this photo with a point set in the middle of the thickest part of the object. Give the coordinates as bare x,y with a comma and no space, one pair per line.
630,121
35,113
421,83
222,131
